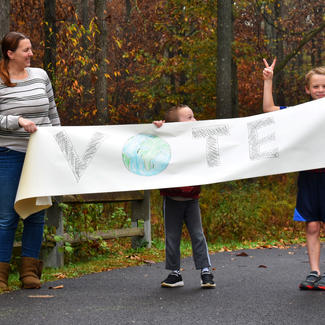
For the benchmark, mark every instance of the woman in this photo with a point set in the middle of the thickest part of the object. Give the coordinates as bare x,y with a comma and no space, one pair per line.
26,103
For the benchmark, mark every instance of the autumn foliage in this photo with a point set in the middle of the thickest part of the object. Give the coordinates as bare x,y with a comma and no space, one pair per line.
161,53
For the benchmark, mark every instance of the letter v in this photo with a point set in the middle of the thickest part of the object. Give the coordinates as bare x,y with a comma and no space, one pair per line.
77,165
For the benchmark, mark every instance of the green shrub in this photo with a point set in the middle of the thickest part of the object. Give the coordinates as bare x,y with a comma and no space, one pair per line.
256,209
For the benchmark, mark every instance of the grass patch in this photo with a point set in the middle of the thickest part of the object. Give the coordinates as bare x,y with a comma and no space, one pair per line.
122,255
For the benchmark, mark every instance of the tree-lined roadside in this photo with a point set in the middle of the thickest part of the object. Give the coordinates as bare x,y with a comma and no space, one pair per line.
127,61
117,62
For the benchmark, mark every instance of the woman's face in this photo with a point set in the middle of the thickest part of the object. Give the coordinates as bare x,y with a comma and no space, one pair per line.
22,56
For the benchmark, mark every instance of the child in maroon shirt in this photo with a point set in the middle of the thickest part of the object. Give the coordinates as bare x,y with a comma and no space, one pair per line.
181,205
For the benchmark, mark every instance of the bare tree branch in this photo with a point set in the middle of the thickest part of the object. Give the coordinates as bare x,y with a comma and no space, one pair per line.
303,42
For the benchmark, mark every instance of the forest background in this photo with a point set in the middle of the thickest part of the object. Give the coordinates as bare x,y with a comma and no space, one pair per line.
127,61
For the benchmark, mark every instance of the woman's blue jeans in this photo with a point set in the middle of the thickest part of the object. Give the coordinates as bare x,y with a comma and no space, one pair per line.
11,163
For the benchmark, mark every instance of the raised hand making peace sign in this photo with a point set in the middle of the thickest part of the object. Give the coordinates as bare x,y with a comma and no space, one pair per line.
268,70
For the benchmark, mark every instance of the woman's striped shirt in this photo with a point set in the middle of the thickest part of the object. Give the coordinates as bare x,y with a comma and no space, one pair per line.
32,98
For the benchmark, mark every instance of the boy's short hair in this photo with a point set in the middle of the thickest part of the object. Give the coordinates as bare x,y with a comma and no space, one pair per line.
171,115
312,72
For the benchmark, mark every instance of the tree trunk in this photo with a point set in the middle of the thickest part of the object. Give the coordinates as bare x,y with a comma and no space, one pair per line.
279,85
49,60
234,89
128,9
101,44
319,43
224,88
4,19
276,46
82,10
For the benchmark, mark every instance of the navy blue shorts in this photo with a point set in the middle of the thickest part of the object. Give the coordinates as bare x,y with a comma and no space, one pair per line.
310,204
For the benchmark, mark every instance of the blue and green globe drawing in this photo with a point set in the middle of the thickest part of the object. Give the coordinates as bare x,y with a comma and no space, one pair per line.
146,155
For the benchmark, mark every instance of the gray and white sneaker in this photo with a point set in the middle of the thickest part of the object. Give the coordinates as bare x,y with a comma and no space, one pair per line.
173,280
207,280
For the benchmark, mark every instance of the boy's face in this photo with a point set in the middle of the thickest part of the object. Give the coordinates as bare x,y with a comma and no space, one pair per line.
316,88
185,114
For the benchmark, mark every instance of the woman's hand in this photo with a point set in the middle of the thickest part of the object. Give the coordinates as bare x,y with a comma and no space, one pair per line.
28,125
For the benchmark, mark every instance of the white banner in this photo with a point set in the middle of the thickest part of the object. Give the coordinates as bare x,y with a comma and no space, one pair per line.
96,159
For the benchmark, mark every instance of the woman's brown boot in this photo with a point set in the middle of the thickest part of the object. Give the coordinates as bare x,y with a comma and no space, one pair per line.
31,272
4,274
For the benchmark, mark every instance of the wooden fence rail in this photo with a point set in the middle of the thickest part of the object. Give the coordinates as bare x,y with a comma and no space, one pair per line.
140,210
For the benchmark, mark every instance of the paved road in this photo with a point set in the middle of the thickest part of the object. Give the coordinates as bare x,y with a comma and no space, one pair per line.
245,294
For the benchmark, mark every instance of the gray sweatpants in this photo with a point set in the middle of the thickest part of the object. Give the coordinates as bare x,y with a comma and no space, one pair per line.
175,214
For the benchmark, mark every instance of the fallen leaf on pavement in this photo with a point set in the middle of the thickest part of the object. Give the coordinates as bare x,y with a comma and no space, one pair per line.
57,287
262,266
149,262
242,254
40,296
